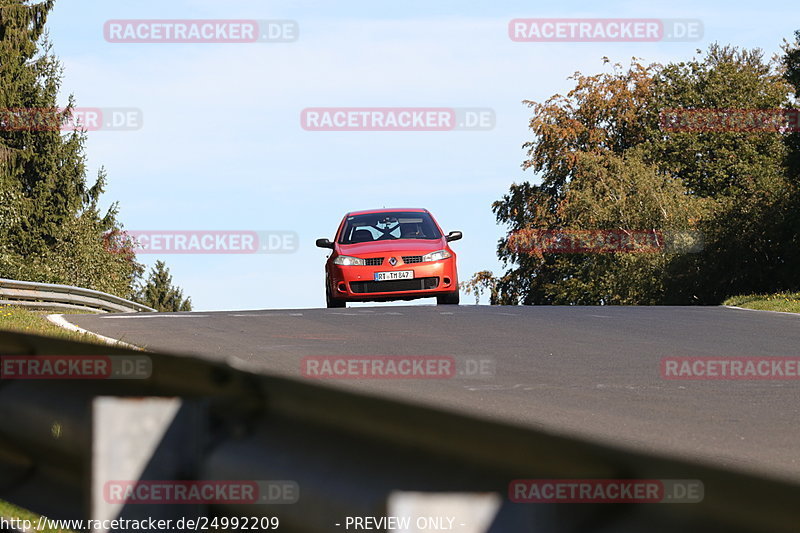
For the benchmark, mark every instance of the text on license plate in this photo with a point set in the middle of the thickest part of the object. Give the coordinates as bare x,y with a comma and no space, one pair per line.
389,276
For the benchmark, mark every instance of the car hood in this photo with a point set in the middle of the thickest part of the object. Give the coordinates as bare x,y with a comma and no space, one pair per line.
398,246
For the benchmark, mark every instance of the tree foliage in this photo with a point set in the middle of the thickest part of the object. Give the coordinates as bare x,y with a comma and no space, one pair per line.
159,293
51,226
605,162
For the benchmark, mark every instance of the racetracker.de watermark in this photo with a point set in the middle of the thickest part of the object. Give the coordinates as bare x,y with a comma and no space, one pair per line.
201,492
730,120
396,367
397,119
43,367
730,368
201,31
202,242
78,118
606,491
578,30
576,241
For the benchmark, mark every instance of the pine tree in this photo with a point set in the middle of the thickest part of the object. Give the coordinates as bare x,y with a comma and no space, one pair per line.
51,228
159,293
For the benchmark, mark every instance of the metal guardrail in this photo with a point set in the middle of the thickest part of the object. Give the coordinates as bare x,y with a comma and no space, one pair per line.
52,297
350,454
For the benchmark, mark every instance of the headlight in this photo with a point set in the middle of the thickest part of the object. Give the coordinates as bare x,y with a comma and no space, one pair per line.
346,260
438,255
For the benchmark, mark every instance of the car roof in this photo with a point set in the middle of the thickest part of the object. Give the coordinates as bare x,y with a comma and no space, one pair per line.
384,210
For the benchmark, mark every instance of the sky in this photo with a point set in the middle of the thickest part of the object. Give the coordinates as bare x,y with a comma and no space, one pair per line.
220,145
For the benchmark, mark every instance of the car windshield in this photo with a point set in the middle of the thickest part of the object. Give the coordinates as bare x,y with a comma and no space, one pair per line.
388,226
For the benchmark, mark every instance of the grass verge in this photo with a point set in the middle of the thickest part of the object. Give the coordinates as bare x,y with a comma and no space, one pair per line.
788,302
11,512
25,321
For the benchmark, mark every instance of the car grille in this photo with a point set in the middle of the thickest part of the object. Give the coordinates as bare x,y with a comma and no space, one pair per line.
373,261
408,259
400,285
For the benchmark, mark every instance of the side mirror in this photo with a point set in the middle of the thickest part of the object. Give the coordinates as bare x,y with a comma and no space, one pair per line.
324,243
453,236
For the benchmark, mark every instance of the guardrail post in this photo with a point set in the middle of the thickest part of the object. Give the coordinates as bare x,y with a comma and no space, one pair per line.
462,512
143,439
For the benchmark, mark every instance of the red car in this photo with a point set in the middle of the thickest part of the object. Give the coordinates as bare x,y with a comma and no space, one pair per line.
390,254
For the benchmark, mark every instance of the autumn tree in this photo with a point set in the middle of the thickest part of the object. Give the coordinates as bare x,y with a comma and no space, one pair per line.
605,161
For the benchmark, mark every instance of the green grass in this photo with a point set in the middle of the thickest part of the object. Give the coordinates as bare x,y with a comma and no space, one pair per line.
783,301
25,321
22,320
9,511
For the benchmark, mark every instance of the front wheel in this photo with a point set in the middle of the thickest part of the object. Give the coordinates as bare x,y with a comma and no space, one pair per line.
451,298
332,303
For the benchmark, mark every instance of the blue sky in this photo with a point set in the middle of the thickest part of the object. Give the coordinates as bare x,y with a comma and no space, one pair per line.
221,146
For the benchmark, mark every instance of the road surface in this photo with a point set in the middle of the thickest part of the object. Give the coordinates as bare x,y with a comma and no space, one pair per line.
585,371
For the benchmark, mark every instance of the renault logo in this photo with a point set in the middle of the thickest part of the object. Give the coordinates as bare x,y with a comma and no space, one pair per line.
393,261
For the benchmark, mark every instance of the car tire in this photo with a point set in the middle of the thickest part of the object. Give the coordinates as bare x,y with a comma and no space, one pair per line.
451,298
333,303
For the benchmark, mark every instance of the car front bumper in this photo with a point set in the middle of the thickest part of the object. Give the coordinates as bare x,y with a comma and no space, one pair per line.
358,282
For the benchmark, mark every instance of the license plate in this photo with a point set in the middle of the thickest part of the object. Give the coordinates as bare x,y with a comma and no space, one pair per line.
390,276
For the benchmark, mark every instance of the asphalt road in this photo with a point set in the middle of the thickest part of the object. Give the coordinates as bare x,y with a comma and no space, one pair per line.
591,371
